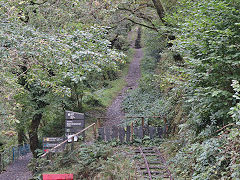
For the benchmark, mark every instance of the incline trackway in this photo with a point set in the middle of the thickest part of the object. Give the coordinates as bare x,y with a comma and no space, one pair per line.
114,113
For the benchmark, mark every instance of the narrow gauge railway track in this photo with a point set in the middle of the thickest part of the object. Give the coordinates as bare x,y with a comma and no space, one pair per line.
153,164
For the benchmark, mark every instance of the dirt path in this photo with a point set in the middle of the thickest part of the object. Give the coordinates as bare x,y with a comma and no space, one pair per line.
114,113
18,170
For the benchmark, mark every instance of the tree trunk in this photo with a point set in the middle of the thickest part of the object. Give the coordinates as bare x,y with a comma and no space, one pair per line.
33,133
160,10
21,136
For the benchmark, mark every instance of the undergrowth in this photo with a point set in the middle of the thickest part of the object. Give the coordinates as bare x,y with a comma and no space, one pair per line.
106,95
158,93
164,91
98,160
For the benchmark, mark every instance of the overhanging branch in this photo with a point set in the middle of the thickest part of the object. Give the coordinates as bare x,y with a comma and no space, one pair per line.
138,14
144,25
37,3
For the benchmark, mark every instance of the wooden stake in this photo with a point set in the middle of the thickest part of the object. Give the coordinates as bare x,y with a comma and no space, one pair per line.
50,155
142,121
94,132
72,145
132,131
165,121
143,126
167,128
1,167
98,123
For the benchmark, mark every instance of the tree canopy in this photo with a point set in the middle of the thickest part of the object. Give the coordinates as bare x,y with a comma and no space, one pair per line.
57,55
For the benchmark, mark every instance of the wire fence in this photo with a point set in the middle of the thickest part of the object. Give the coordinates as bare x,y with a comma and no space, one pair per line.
11,154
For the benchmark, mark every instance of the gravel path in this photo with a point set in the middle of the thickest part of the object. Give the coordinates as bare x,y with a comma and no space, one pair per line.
18,170
114,113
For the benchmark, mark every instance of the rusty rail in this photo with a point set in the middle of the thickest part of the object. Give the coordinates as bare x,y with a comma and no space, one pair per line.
164,162
72,138
155,166
146,163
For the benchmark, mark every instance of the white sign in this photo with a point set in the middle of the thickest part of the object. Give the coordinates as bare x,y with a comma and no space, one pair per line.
70,140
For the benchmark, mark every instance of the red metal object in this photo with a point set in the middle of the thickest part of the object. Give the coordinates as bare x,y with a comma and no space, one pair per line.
57,176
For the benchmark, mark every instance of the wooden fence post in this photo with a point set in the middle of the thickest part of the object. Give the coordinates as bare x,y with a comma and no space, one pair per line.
72,144
143,126
49,155
165,120
13,154
98,123
165,127
132,131
1,166
142,121
94,132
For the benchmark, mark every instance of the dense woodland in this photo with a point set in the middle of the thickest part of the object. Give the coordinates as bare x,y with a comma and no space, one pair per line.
59,55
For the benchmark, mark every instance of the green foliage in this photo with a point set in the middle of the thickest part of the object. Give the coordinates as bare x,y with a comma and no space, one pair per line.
214,158
235,111
208,36
57,55
135,105
48,66
106,95
111,87
118,167
153,47
145,105
88,161
160,89
197,89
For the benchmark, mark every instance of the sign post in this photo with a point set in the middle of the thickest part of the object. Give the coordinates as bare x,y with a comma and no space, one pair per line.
50,142
74,123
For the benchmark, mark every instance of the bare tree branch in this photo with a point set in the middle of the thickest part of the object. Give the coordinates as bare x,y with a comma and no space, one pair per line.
37,3
139,15
144,25
160,10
